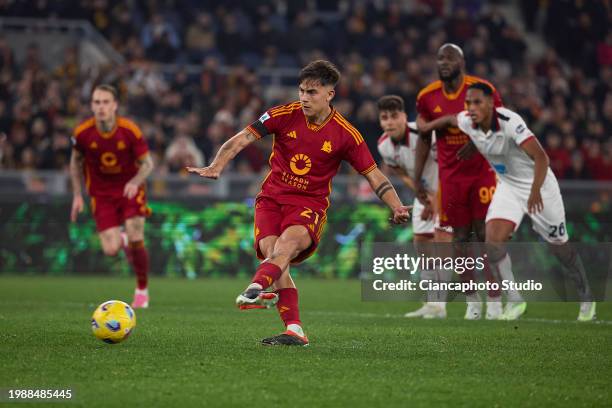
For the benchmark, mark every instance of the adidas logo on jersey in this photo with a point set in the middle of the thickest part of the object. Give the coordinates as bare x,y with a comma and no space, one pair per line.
93,145
292,134
438,109
120,145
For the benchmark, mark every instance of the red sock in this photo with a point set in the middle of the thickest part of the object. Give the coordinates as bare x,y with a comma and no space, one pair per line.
267,273
491,279
139,258
127,252
287,306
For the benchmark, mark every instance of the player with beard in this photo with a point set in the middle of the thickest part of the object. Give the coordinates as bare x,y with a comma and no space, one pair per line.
467,182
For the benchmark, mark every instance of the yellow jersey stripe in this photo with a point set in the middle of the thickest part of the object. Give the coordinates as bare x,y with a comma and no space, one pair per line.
277,111
369,169
351,127
84,126
274,115
344,123
355,137
288,105
291,106
430,88
316,128
131,126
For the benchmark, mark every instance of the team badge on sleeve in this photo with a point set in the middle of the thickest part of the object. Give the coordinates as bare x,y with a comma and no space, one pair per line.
264,117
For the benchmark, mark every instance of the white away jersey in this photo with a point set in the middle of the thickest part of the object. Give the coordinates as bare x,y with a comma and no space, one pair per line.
501,147
403,155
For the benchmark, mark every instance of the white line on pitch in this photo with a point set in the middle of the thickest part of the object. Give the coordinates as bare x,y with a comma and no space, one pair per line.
398,316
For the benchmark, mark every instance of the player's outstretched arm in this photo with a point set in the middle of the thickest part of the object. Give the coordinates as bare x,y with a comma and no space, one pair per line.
76,171
145,168
226,152
534,149
440,123
385,191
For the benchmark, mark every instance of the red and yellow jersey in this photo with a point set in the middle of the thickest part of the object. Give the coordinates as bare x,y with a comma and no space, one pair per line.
111,159
432,103
305,157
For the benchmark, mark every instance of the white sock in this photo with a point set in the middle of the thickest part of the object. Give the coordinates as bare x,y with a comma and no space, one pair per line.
296,328
254,286
473,297
505,272
427,275
142,291
442,294
493,299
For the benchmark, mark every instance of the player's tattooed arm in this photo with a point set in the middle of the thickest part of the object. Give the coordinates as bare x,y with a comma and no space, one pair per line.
145,168
534,149
226,152
76,171
385,191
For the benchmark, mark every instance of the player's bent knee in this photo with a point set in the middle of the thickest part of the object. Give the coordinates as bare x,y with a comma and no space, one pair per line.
111,250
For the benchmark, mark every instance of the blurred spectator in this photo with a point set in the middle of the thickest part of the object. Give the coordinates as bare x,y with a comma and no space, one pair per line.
560,160
187,112
183,152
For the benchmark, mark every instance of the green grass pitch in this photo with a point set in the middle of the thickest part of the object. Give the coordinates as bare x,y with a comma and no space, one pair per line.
194,348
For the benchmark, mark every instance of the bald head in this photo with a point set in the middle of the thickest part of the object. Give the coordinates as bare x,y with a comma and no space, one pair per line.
450,61
451,48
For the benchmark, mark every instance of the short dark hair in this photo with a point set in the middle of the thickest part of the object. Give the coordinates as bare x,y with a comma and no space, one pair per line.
320,70
391,103
108,88
485,88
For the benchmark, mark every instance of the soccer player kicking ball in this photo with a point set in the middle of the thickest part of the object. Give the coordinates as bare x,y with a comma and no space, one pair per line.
397,147
527,186
115,157
311,139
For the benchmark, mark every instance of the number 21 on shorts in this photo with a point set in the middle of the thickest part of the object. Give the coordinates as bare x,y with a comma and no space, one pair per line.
308,214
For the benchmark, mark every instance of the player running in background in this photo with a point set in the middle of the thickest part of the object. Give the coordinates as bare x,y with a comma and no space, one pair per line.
527,185
311,139
467,182
397,147
115,158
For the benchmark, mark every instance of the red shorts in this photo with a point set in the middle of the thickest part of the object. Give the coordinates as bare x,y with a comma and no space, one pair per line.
466,200
272,218
113,211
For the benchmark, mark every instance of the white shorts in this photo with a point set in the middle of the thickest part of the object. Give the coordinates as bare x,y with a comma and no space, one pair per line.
420,226
448,229
510,204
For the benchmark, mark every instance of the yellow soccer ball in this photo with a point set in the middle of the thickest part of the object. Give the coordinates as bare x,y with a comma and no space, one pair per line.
113,321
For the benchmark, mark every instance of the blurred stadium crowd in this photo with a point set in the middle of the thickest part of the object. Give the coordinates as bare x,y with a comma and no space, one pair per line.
381,47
